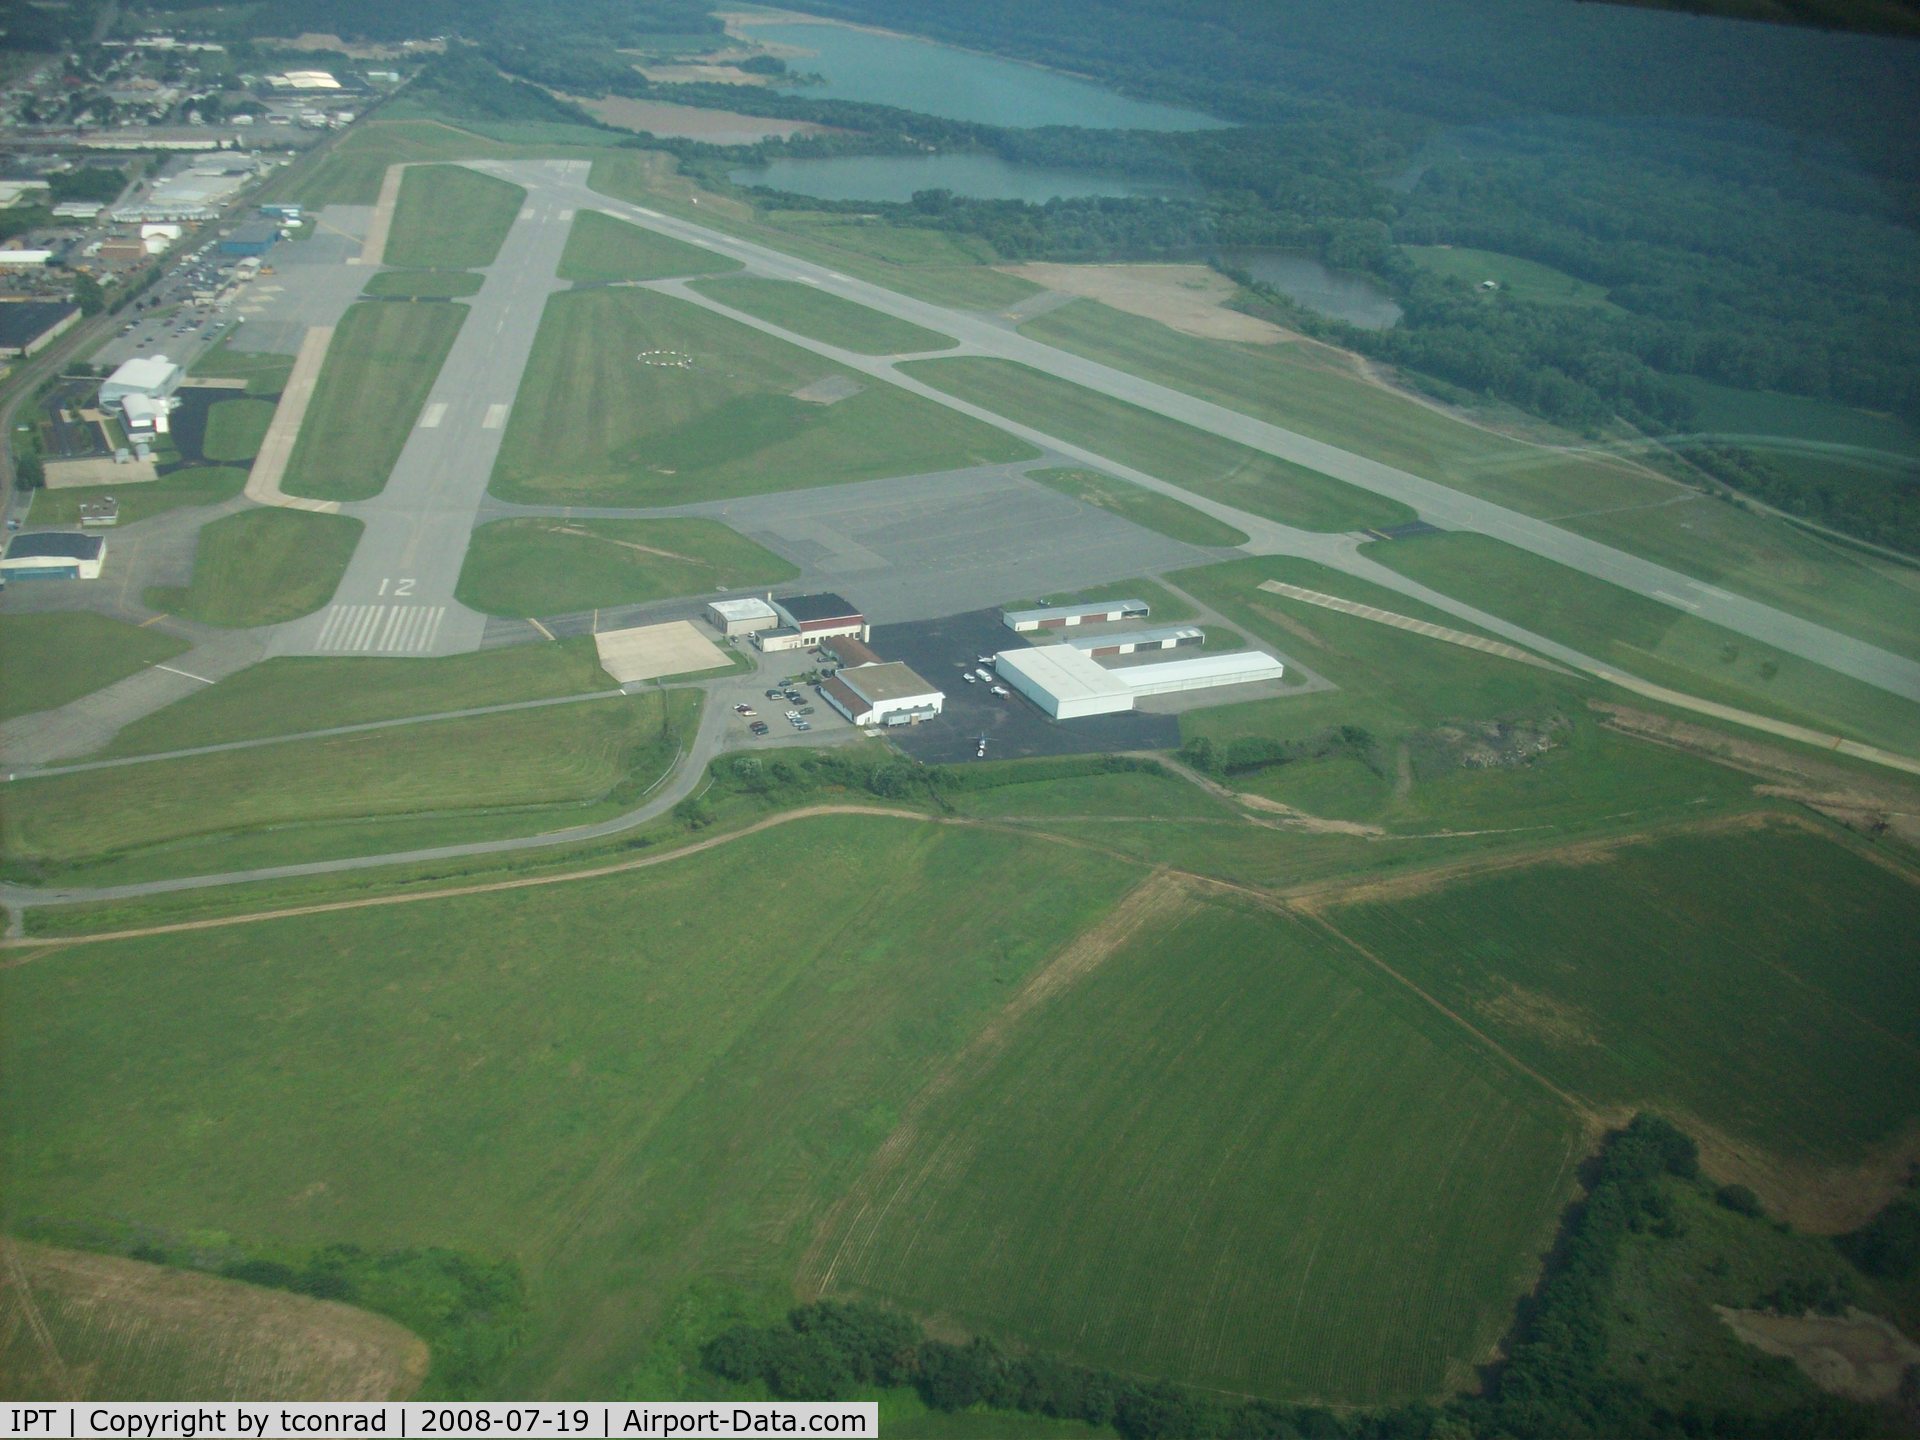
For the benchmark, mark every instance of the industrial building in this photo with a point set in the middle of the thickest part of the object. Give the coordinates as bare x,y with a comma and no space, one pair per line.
53,555
142,388
1068,683
742,617
256,237
809,619
27,325
1058,617
1126,642
26,259
884,694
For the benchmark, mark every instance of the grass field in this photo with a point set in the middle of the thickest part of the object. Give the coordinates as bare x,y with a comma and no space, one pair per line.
451,218
265,374
1727,411
379,371
1218,469
1753,981
425,284
263,566
652,1086
595,424
1523,279
1315,391
1236,1160
820,316
235,429
512,773
123,1330
53,658
202,485
1142,507
1651,640
601,248
554,567
291,694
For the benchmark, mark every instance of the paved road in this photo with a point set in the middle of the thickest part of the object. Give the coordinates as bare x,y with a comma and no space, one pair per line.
1438,504
397,595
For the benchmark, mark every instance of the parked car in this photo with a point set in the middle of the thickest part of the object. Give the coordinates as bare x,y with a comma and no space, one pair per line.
743,710
760,727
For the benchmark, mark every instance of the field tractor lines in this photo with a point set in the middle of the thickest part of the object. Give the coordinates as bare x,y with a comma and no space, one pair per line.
1157,895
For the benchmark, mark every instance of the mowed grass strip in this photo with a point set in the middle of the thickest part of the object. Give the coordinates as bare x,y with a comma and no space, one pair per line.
552,567
263,566
662,1075
47,660
1758,982
820,316
1226,1155
1206,464
290,694
601,248
149,1332
201,485
451,218
235,429
634,398
1652,640
437,770
425,284
265,374
379,371
1142,507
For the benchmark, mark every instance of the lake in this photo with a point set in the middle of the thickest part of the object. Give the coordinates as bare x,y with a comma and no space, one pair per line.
1333,293
956,84
896,177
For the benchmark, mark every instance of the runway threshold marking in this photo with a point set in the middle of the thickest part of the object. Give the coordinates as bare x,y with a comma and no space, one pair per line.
434,414
496,417
380,629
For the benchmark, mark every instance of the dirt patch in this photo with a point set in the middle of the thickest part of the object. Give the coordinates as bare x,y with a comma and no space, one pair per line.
1538,1014
1822,1200
1298,629
96,1327
829,391
1160,894
623,544
690,122
707,74
1856,1354
1188,298
1486,744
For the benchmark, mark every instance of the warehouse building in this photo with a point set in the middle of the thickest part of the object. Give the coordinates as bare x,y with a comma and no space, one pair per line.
1059,617
53,555
1126,642
256,237
885,694
741,617
1068,684
27,325
809,619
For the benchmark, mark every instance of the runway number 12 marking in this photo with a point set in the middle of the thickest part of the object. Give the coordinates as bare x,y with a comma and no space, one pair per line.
401,588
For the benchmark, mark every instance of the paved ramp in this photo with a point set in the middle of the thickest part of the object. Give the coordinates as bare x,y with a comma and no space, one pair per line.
276,447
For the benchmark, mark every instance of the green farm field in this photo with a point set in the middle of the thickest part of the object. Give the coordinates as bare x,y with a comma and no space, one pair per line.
1239,1160
235,429
440,781
819,316
451,218
265,374
291,694
554,567
201,485
1653,641
1752,413
260,567
52,658
1315,391
1204,463
653,1087
1751,980
602,248
596,425
425,284
378,372
1142,507
1523,279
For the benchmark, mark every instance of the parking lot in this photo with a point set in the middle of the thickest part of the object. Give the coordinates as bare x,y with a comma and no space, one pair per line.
945,650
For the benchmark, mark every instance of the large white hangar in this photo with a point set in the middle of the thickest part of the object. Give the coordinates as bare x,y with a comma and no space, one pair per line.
1068,683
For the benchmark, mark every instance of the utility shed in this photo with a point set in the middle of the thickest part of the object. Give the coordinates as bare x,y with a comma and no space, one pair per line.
54,555
741,617
1087,612
1065,682
884,694
1165,637
1201,672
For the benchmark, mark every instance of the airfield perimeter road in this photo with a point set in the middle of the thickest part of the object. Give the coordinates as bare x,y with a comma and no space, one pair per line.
1437,504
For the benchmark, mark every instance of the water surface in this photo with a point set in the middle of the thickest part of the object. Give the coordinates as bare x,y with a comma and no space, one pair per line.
1336,294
